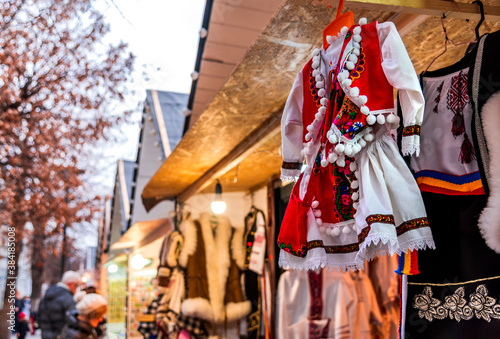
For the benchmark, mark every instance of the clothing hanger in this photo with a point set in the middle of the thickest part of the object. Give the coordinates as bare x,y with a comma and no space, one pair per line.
341,20
446,39
481,9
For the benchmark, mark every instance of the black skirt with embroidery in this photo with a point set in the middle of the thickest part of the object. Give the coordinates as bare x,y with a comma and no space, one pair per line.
457,293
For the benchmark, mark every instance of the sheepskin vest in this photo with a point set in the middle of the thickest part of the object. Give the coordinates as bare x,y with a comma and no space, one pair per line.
213,256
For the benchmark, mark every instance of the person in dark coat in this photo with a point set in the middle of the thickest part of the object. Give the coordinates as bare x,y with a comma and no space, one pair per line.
84,322
22,327
56,303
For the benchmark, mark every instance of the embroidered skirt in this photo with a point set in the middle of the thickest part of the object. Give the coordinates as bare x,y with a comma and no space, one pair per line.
390,216
457,293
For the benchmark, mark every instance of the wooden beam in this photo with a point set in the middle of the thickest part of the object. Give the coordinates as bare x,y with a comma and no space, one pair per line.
259,136
407,22
423,7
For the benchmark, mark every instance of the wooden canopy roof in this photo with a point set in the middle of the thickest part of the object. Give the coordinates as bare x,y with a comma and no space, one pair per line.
237,137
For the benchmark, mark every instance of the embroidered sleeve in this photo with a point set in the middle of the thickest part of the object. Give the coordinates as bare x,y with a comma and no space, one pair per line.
291,132
400,73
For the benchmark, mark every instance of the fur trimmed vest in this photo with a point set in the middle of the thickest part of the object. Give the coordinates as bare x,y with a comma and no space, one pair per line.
484,85
213,256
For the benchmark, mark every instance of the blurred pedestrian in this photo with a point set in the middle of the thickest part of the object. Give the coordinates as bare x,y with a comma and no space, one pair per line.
56,303
83,323
22,327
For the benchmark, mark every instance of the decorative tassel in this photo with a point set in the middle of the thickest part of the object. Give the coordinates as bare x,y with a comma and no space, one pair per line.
401,264
467,153
414,263
458,127
407,268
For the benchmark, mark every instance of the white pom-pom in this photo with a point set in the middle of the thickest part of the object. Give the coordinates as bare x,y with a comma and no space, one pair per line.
339,148
319,222
332,157
316,51
381,119
320,84
353,166
354,92
322,109
368,129
365,110
336,232
355,205
318,116
349,65
324,101
341,77
356,45
357,38
363,99
362,143
347,82
356,51
348,150
317,213
308,136
370,120
391,118
354,227
356,148
333,139
346,73
315,204
315,73
322,92
354,184
340,162
346,230
355,196
362,21
344,30
324,162
309,128
316,58
329,39
315,64
318,77
353,58
368,137
329,133
356,174
356,30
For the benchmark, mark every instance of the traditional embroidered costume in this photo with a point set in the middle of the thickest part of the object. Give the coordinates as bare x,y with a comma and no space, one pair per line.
457,292
355,198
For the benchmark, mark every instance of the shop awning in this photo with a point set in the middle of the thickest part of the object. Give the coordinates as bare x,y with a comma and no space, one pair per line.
143,233
237,137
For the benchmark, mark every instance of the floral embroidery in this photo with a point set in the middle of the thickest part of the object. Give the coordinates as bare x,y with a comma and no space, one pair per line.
333,249
411,130
291,165
411,225
349,120
380,218
301,252
343,191
317,165
363,234
456,306
360,66
312,88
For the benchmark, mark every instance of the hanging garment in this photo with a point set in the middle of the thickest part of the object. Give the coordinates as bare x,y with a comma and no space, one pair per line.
213,256
327,304
252,280
457,292
355,198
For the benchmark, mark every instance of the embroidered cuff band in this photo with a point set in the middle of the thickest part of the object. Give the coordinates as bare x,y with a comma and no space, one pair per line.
291,165
411,130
